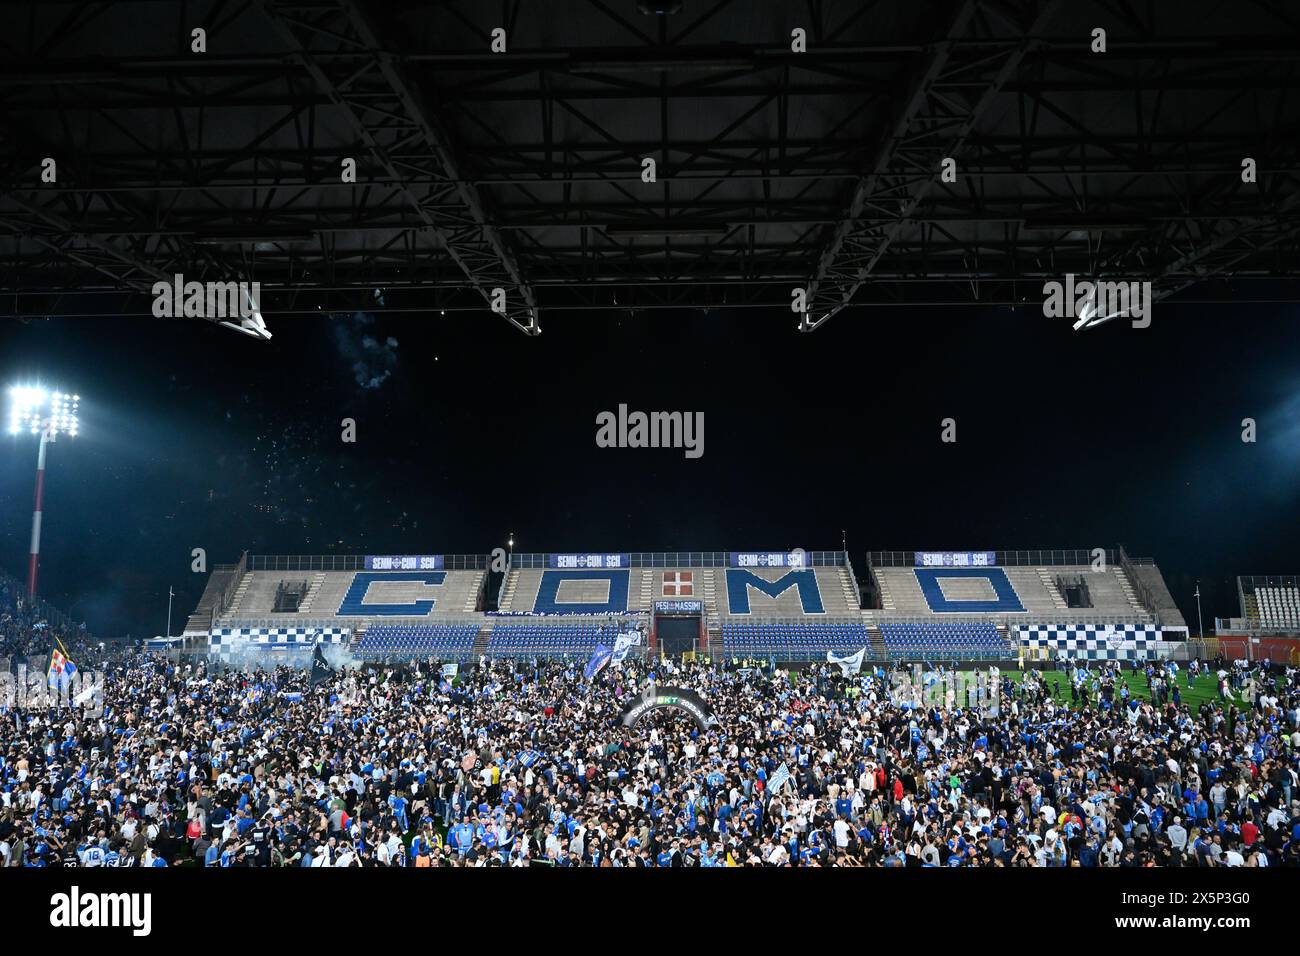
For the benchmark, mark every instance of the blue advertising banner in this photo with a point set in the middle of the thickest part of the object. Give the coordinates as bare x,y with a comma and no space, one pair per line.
956,559
588,560
403,562
769,559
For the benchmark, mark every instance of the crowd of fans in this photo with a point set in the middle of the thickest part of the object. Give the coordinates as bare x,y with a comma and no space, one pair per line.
523,763
28,628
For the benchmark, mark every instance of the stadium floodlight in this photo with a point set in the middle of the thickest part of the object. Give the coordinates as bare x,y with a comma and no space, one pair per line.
36,411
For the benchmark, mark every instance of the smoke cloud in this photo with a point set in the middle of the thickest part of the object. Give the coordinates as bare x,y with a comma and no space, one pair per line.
371,358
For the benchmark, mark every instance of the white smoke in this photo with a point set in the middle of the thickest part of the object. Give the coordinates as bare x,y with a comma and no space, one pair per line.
247,657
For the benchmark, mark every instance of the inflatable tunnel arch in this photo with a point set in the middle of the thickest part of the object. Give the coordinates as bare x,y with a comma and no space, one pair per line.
677,698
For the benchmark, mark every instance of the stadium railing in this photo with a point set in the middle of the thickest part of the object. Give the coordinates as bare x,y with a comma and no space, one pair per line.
348,562
680,559
1022,618
1033,558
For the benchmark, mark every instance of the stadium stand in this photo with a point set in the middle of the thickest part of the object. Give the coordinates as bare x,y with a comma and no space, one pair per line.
977,638
554,639
1279,607
415,640
1146,577
1032,591
796,612
833,587
571,591
773,591
1271,603
358,593
761,640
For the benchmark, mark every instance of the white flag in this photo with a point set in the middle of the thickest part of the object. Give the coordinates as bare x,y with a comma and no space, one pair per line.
622,644
779,779
848,665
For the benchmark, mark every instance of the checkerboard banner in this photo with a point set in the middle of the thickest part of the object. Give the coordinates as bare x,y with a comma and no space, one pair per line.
1095,642
229,641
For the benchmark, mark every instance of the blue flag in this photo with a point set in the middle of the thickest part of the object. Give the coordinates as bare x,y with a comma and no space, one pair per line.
598,660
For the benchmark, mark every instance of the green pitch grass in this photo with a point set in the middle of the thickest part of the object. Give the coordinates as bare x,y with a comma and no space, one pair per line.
1204,689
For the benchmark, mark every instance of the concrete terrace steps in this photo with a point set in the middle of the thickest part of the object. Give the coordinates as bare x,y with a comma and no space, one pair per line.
482,638
313,589
886,597
850,588
523,585
201,619
240,590
876,641
1129,592
507,589
1049,585
646,590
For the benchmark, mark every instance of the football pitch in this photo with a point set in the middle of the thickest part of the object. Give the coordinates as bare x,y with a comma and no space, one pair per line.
1204,688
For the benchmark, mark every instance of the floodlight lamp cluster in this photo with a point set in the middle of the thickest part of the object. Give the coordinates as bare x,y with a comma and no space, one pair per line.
34,410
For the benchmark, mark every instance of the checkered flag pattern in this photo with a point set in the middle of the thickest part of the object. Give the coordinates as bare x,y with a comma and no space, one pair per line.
1095,642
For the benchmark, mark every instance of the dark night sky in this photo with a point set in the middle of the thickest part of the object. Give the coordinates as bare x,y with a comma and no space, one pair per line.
195,436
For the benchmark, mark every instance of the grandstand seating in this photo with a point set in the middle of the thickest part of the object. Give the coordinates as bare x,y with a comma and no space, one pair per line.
755,590
829,590
1278,606
548,640
1032,591
975,637
417,640
359,593
958,590
742,639
573,591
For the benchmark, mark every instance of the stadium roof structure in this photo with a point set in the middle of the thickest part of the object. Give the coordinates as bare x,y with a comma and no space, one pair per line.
523,169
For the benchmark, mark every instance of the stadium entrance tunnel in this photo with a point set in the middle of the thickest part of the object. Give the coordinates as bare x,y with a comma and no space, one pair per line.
677,698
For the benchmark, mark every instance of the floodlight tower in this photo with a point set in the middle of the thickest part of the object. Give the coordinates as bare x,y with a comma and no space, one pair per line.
47,414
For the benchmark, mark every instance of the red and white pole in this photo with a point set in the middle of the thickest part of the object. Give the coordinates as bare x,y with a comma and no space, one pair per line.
34,558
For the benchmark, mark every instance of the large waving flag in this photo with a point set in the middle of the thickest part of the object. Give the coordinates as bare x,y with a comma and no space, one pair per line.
848,665
62,669
779,779
598,660
320,668
622,644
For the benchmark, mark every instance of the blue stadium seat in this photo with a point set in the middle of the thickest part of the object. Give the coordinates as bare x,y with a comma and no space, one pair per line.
546,640
760,640
976,638
418,640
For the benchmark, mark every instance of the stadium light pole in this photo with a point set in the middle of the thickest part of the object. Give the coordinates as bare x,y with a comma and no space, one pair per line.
47,414
1200,627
